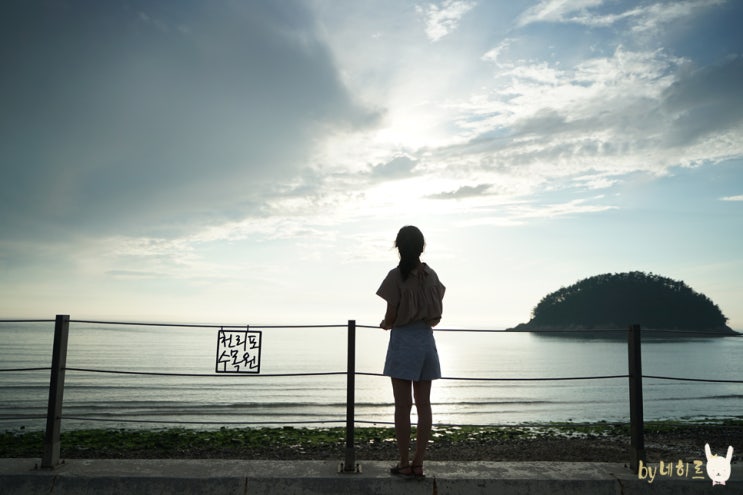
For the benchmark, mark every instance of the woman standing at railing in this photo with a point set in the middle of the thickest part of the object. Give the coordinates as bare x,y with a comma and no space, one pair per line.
414,302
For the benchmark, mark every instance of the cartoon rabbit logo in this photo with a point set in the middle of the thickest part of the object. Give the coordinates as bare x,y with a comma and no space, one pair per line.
718,468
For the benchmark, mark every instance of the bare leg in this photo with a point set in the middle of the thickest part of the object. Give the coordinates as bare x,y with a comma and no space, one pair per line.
422,391
403,404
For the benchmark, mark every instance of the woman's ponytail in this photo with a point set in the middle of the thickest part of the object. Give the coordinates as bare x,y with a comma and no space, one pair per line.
410,244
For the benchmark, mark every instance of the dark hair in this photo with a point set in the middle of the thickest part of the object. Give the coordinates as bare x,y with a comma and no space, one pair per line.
410,244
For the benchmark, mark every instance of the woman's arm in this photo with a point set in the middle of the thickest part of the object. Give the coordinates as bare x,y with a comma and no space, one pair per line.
389,317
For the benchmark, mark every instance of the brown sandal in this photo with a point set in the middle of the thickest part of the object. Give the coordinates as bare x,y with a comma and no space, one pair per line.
398,471
417,472
410,472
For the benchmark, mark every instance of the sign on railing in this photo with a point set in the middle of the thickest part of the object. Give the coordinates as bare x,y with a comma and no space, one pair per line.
238,351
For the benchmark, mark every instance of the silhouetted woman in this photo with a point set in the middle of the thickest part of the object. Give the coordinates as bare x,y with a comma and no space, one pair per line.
414,303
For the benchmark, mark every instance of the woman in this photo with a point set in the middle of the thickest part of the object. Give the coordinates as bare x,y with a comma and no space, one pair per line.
414,302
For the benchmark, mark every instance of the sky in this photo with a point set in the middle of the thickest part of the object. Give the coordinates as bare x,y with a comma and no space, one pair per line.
251,162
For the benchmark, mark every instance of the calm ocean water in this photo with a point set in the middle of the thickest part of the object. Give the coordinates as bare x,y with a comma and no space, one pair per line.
104,400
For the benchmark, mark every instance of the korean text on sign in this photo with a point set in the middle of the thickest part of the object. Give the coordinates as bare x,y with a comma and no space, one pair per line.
238,351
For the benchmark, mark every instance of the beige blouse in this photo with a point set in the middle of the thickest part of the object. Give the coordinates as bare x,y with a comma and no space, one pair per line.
419,298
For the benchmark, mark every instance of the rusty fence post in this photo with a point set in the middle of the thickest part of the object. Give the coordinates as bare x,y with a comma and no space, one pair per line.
637,427
50,458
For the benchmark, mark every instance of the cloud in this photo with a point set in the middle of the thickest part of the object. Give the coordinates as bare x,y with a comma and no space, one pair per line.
117,120
555,11
494,54
398,168
519,213
739,197
705,102
655,16
134,274
192,125
562,209
595,13
580,115
600,119
463,192
444,18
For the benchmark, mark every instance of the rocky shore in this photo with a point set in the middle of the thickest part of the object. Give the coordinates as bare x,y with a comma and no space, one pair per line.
668,441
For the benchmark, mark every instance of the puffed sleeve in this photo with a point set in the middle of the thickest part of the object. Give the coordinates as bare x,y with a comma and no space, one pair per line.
390,288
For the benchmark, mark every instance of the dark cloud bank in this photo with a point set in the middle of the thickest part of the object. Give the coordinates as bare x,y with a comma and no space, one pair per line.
130,116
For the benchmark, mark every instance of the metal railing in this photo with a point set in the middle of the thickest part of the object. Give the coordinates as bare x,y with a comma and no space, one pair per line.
54,416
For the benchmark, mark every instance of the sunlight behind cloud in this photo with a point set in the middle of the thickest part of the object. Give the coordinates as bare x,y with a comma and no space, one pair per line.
268,152
406,199
410,128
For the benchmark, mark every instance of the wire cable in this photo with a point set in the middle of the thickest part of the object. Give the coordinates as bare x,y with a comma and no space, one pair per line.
213,375
25,369
197,325
119,420
27,321
691,379
602,377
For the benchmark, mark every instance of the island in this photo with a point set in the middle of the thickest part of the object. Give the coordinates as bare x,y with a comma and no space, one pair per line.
614,301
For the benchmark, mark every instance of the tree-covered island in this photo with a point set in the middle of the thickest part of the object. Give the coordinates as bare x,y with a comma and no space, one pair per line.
613,301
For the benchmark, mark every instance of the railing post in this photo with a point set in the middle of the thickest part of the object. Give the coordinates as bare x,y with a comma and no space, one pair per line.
349,466
637,439
56,392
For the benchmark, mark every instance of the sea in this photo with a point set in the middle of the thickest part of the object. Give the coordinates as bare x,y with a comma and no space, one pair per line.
143,376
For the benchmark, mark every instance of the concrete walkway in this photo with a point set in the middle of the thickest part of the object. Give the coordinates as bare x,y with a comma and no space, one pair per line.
234,477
